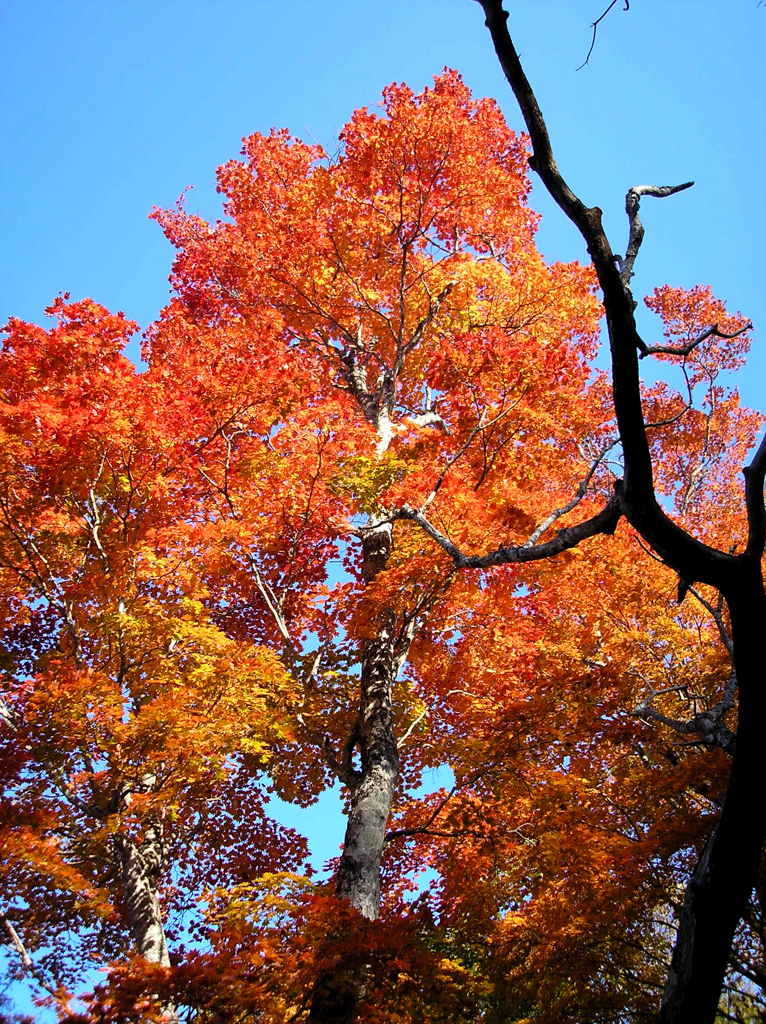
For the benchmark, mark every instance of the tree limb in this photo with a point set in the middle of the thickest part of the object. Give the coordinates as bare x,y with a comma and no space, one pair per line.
685,350
595,25
636,232
604,521
756,513
687,555
570,505
58,992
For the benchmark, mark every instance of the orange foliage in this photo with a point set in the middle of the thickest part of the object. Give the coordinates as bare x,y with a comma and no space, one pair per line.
181,582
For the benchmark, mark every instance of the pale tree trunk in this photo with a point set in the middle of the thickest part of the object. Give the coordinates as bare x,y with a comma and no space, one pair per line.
140,866
372,787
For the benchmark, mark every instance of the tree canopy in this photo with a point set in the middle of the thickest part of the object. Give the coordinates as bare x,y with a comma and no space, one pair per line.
374,509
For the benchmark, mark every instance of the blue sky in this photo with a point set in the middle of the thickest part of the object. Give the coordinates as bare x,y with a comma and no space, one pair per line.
111,108
108,109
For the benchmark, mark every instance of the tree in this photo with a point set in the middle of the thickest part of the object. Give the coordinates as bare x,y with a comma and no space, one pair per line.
727,870
367,363
123,702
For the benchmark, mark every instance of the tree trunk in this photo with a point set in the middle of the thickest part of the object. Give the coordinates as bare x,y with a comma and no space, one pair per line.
139,870
335,997
727,871
371,798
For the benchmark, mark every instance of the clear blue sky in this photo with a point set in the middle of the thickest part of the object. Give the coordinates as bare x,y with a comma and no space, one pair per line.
107,109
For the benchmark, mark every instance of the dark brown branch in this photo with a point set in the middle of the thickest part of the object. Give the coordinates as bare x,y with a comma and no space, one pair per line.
689,557
398,833
604,521
542,159
756,513
685,350
574,502
708,725
464,448
342,768
716,613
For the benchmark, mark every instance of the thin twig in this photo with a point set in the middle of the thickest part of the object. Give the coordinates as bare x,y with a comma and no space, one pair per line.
594,26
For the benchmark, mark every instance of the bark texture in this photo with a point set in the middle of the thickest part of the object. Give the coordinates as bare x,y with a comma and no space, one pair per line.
372,790
140,867
372,786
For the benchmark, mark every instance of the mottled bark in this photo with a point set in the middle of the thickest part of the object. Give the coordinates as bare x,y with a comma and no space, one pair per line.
372,787
140,866
373,790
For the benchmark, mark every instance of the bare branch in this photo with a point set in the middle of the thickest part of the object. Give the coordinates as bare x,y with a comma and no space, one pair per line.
542,159
685,350
717,616
708,725
570,505
340,767
688,556
58,992
272,603
399,832
756,513
463,449
411,728
434,306
636,233
595,25
7,716
604,521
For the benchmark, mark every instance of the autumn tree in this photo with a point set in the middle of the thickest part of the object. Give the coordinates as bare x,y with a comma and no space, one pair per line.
125,708
347,528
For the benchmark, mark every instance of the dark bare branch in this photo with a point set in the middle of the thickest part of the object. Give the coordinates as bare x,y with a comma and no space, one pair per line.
340,767
604,521
685,350
689,557
707,725
716,611
464,448
542,159
756,513
575,501
595,25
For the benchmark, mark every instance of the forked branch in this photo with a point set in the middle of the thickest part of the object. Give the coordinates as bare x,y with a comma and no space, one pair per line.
707,725
575,501
595,25
688,556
